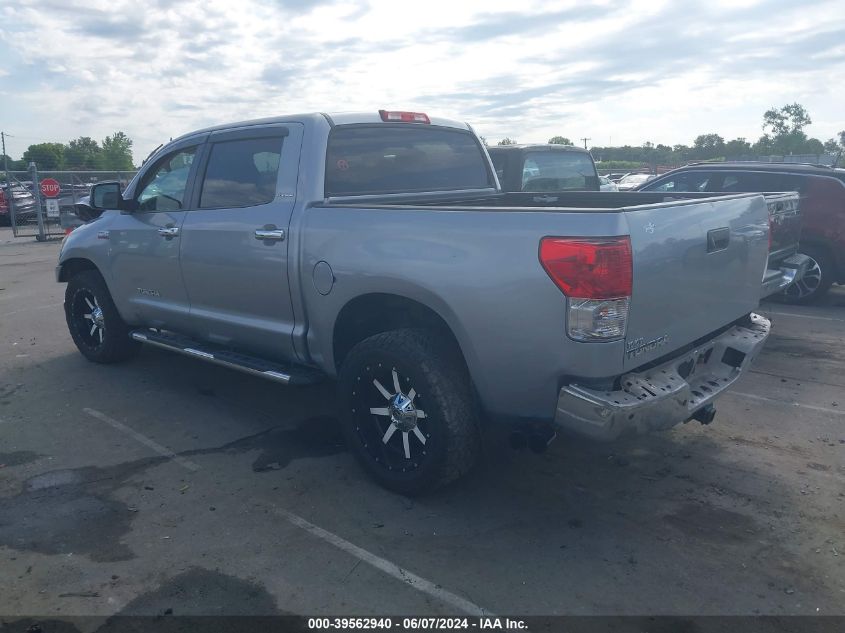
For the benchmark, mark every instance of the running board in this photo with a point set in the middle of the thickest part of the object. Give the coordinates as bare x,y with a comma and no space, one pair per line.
287,374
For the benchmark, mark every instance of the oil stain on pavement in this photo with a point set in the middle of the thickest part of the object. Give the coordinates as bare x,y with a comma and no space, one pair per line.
73,510
203,592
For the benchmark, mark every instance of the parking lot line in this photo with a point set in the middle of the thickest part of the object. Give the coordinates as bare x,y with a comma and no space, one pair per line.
792,404
143,439
49,305
805,316
389,568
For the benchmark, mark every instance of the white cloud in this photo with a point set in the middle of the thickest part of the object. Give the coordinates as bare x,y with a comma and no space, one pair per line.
649,70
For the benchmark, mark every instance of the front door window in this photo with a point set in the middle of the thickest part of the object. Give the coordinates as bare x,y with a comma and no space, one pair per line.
164,186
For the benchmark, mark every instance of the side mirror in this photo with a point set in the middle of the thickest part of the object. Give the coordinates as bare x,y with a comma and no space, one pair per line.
105,195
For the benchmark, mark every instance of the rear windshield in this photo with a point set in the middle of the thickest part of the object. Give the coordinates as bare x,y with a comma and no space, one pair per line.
364,159
557,171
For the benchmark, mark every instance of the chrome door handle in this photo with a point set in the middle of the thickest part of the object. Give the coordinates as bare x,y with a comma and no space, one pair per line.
269,234
169,231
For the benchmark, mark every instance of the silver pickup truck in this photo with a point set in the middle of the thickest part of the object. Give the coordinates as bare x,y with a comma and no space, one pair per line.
378,249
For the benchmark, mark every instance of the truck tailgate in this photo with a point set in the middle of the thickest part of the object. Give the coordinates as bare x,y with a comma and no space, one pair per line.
697,268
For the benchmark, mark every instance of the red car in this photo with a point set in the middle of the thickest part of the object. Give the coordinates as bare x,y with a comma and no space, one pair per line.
822,192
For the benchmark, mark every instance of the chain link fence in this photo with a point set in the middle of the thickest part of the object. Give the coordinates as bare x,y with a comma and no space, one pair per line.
31,214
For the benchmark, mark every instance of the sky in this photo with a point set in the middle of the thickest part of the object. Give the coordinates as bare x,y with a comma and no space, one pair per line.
622,72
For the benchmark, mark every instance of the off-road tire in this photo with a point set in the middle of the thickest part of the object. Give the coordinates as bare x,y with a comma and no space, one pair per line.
435,371
83,289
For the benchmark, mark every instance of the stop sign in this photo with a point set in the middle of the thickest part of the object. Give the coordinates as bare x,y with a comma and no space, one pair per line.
50,187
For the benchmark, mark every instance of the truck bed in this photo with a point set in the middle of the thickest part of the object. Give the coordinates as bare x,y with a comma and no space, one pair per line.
475,261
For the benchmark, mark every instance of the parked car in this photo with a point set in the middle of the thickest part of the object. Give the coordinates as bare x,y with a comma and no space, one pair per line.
606,184
544,167
22,199
822,191
632,181
377,249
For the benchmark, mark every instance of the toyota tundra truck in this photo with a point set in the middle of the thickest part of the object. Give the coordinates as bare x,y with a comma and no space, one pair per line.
378,250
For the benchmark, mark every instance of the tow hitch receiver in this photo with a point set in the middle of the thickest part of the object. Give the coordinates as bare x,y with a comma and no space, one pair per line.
705,414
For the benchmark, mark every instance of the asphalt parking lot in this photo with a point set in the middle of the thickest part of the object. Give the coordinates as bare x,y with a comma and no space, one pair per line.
166,483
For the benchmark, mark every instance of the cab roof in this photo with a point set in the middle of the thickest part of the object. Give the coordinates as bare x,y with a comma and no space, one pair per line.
339,118
534,147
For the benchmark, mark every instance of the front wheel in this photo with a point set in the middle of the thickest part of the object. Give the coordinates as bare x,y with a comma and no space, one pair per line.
93,321
816,281
409,414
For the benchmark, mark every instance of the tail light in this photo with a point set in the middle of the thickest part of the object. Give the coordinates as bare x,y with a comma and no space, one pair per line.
596,276
393,116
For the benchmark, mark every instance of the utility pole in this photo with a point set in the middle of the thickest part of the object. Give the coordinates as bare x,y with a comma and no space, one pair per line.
585,139
11,200
5,158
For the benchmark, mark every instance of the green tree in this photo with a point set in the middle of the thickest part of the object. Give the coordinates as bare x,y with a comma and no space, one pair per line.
737,147
763,146
117,152
46,156
14,165
83,153
559,140
507,141
813,146
831,146
708,146
787,119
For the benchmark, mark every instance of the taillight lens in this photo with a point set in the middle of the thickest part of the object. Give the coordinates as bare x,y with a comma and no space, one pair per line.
591,268
394,116
596,275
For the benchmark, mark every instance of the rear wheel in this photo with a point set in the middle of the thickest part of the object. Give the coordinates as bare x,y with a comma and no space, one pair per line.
93,321
816,281
408,413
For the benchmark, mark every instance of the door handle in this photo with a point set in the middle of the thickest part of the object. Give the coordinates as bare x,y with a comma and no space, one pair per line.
718,239
169,231
270,234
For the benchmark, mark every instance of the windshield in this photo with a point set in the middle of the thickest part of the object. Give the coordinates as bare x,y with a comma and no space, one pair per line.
367,159
556,171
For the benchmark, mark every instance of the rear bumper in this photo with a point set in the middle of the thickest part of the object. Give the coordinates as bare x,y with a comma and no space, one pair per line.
662,396
791,269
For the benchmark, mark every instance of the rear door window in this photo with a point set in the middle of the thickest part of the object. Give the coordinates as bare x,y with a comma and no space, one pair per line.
686,181
241,173
750,181
373,159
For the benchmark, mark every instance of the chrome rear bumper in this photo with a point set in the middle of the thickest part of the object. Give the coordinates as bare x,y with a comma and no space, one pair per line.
662,396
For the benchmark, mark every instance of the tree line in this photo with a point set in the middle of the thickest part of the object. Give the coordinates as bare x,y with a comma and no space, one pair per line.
783,134
113,153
